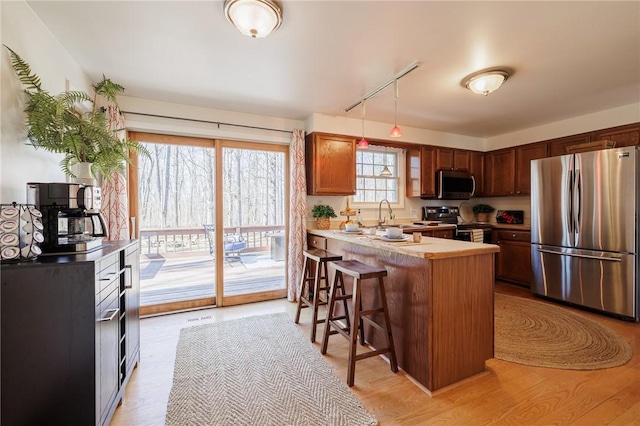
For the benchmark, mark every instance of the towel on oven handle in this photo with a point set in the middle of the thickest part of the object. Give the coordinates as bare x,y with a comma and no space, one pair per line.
477,235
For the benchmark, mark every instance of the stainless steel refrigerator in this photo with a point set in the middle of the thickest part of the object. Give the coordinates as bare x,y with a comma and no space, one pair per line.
584,229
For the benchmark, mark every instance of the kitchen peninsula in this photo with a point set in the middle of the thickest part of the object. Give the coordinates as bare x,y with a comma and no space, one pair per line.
440,300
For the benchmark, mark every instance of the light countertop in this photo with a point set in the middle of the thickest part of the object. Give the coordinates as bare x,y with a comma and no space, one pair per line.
427,248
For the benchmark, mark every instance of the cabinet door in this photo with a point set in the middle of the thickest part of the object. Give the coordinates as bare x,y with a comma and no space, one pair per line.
559,146
107,356
331,165
623,135
461,159
444,159
513,263
428,171
499,172
524,155
132,306
476,168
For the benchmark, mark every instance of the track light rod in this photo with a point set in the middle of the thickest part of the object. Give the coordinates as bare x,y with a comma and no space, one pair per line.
393,79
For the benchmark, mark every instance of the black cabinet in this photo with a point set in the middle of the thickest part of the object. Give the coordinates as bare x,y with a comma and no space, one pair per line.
62,334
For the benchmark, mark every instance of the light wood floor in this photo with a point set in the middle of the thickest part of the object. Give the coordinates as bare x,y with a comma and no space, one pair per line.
506,394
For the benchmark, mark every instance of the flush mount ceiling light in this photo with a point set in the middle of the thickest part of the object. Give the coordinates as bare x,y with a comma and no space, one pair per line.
485,82
253,18
362,143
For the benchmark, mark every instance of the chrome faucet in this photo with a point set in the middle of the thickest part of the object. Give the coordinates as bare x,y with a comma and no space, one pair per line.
380,219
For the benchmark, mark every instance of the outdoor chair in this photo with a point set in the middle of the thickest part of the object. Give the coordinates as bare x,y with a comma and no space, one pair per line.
234,245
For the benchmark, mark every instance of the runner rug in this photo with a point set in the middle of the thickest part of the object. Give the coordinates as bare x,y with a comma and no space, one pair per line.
544,335
258,370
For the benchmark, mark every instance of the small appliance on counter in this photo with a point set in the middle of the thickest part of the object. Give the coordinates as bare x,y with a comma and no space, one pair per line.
70,216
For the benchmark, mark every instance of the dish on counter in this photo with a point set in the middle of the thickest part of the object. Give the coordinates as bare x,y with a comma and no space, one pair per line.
401,238
357,231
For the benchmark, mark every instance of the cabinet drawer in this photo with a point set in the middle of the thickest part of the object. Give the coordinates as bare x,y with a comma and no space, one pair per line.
107,278
443,233
313,241
514,235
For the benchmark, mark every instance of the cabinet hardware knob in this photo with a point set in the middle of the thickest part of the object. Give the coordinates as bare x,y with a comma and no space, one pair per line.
514,235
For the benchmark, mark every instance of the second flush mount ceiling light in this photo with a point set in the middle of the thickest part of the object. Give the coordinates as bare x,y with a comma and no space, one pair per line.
253,18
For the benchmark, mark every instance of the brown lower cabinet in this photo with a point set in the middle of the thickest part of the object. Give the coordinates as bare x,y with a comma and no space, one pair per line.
513,263
437,233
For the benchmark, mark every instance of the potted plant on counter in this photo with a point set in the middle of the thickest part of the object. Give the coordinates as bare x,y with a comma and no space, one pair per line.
323,213
56,124
482,212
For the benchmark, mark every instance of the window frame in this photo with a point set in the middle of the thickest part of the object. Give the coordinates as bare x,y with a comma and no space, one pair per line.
400,177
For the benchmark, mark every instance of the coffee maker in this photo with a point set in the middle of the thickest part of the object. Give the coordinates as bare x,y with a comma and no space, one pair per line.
70,215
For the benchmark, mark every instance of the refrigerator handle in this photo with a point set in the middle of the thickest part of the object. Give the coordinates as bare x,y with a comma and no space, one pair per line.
577,195
569,201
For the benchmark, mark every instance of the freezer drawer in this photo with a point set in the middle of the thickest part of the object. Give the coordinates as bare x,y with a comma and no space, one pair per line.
599,280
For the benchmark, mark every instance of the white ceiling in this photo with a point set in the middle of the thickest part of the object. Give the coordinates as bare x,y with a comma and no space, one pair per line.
569,58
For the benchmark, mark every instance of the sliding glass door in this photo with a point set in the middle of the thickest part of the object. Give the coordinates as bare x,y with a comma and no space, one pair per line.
210,216
254,208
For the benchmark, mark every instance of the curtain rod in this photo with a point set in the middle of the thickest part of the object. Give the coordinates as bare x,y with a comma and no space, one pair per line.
218,123
393,79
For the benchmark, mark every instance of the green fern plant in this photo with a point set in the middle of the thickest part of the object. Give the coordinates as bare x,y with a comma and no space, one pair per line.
55,125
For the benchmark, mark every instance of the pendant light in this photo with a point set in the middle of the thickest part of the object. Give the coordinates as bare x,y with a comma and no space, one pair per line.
396,131
362,143
385,170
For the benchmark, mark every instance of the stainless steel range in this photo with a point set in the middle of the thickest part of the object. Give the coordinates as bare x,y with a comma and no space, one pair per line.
450,215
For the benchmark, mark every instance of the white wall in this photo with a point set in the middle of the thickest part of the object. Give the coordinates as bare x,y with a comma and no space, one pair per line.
191,128
20,163
586,123
377,130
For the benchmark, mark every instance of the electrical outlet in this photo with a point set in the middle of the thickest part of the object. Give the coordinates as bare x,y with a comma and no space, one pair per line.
413,212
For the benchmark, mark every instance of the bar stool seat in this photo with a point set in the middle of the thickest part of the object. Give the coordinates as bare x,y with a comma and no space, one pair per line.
311,284
358,271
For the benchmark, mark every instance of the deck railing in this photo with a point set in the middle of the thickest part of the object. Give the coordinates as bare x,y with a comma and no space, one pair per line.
172,240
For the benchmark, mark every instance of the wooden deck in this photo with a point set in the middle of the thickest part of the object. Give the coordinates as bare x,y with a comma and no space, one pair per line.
177,277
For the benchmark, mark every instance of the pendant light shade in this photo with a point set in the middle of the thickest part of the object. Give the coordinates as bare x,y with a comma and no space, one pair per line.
486,82
363,143
385,170
253,18
396,131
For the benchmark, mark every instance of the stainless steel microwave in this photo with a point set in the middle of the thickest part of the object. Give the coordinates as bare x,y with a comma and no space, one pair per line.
454,185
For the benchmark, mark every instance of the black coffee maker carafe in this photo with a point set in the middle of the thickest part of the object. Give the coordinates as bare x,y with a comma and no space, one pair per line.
70,215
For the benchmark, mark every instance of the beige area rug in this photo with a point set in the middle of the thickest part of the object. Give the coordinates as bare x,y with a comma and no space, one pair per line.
257,371
543,335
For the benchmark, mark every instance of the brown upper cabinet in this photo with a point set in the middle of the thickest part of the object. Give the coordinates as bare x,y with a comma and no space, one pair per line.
452,159
524,155
560,146
421,171
476,168
499,172
623,135
331,164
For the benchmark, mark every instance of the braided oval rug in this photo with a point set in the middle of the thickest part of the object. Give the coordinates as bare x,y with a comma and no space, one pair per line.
544,335
257,370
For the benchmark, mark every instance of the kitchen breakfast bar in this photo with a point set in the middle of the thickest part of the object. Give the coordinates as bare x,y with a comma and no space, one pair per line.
440,300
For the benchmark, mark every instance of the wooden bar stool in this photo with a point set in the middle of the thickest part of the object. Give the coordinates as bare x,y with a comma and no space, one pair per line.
314,259
359,271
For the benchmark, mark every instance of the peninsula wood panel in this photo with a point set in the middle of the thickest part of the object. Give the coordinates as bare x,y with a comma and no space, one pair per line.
434,308
462,317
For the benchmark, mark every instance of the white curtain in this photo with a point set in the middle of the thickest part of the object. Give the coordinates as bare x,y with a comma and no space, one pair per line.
115,203
297,213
